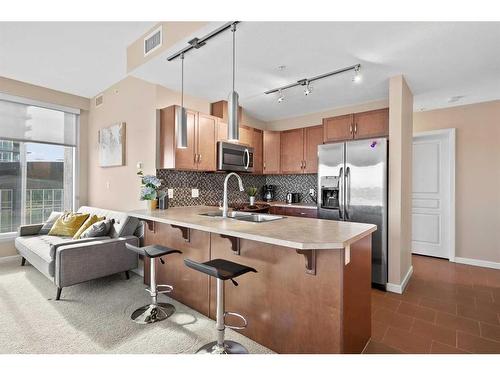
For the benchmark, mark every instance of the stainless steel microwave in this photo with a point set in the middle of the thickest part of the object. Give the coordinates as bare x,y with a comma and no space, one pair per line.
234,157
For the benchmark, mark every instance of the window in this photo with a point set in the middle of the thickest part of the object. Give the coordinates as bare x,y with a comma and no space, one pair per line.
37,154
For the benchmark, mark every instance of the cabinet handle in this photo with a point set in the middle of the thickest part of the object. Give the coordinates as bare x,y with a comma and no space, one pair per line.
199,158
305,164
195,157
264,165
350,128
356,128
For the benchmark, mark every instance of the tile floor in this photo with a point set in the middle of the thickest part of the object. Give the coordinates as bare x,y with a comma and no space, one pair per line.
446,308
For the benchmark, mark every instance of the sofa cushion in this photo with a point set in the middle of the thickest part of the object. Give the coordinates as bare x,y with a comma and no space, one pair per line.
47,226
92,219
99,229
124,225
68,224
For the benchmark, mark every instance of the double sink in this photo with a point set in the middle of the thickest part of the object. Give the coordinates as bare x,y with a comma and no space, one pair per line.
245,216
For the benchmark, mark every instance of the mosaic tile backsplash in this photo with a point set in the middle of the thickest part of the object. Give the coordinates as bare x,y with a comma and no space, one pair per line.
211,186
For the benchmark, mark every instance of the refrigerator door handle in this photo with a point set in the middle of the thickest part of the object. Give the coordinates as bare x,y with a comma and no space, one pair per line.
341,194
347,192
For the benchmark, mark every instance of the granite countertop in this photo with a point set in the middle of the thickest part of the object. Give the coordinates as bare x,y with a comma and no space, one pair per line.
293,232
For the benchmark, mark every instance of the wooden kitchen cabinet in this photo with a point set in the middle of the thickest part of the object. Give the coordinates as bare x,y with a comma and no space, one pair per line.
271,152
371,124
219,109
200,153
299,149
257,151
361,125
294,211
246,133
338,128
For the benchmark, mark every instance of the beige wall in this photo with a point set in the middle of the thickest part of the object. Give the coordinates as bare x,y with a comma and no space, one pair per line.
313,119
42,94
172,33
477,174
400,183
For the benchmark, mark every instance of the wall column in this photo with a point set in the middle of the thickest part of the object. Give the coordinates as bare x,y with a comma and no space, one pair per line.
400,183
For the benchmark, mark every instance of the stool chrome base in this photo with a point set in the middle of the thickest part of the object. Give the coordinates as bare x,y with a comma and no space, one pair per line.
152,313
230,347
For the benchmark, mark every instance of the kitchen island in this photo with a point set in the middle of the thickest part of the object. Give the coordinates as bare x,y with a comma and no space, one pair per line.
312,290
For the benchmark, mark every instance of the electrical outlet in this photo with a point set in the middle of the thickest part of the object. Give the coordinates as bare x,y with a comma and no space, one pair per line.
311,191
170,193
195,193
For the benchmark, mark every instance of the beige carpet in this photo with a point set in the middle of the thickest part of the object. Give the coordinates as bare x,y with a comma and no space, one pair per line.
94,317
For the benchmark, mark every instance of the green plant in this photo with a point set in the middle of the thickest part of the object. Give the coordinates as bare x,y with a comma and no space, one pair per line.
252,191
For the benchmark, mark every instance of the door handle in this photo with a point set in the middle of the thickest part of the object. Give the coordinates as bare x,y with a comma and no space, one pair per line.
348,192
341,193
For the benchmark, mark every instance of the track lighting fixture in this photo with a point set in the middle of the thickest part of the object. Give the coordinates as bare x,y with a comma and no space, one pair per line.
308,89
281,97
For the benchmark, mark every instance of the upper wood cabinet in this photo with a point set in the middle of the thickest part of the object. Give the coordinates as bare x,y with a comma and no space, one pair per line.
246,135
299,149
338,128
219,109
271,152
361,125
371,124
200,153
257,151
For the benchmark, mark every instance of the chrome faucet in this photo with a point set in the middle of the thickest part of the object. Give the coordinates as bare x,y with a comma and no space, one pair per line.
225,206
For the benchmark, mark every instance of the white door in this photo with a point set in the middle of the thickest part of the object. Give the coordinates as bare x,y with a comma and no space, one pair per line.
433,181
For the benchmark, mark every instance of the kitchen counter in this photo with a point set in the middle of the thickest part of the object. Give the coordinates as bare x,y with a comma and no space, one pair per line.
292,232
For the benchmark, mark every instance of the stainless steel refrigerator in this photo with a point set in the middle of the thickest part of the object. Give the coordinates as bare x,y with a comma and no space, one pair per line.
352,186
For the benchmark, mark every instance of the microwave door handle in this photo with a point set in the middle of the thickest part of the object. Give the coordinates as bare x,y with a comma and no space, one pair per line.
247,156
341,193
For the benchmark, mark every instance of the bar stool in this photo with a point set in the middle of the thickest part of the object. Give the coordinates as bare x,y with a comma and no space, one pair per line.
155,311
222,270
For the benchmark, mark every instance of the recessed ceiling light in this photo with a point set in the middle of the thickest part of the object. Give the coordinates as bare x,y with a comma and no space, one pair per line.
281,67
456,98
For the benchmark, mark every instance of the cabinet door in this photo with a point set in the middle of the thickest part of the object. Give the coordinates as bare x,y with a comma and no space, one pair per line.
338,128
313,138
292,151
221,131
246,135
206,136
371,124
185,157
271,152
257,151
301,212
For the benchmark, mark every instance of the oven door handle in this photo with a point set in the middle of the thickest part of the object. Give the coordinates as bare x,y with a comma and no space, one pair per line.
247,156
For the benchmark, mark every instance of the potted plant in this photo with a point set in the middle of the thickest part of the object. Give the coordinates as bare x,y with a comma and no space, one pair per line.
149,190
252,192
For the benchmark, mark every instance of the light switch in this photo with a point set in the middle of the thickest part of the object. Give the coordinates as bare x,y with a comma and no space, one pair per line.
170,193
195,193
107,185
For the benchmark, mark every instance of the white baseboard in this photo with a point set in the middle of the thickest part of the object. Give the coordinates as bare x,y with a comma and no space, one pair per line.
477,262
9,258
400,288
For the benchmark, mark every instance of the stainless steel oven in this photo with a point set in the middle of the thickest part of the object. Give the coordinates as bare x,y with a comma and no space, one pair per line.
234,157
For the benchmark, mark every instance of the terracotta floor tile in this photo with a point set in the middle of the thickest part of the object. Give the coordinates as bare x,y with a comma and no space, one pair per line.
406,342
440,348
444,306
416,311
478,294
482,315
382,301
475,344
434,332
406,296
378,330
375,347
494,306
489,331
393,319
457,322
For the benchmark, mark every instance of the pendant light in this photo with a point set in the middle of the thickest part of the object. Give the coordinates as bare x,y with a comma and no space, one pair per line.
181,115
233,128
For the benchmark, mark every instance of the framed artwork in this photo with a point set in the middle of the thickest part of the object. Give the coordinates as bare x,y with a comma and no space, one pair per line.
112,145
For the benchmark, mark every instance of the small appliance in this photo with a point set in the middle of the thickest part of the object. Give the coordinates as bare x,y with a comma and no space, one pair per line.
268,192
292,198
234,157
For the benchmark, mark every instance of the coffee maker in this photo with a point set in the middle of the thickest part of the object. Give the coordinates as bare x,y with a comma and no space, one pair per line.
268,192
330,192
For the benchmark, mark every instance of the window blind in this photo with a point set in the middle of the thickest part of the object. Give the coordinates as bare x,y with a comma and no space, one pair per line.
31,123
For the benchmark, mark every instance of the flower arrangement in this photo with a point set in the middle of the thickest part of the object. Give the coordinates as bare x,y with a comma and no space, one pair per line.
252,192
149,188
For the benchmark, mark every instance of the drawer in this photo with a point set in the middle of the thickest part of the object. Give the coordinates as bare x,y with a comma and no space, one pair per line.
294,211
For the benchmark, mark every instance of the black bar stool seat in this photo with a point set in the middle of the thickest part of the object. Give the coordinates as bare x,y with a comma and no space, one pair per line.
222,270
155,311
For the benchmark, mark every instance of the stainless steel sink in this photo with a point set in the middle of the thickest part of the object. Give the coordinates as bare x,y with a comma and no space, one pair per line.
245,216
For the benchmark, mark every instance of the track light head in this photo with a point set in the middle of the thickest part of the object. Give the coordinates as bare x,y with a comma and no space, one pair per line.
308,89
357,75
281,97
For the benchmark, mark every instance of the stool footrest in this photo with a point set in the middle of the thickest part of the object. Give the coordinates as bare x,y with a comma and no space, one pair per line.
245,323
166,288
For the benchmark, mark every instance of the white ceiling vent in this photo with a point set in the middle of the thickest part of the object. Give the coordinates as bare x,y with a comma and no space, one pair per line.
99,99
153,41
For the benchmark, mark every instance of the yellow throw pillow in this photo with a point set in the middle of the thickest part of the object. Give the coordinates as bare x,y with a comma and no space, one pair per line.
68,224
91,220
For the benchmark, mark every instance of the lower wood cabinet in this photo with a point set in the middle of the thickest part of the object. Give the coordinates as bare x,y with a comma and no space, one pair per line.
294,211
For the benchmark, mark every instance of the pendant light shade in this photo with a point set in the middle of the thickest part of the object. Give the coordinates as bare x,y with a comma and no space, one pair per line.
181,115
233,126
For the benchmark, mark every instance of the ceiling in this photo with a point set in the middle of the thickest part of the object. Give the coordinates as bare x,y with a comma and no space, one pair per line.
439,60
81,58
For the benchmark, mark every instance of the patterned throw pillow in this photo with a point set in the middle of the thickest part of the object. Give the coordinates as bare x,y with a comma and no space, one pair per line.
99,229
47,226
91,220
68,224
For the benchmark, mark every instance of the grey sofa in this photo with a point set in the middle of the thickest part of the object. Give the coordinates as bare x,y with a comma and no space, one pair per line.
68,262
